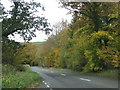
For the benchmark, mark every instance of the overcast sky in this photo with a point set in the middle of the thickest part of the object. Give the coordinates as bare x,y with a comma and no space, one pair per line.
52,12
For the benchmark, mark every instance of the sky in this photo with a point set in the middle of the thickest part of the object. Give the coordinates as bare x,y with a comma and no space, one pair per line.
52,12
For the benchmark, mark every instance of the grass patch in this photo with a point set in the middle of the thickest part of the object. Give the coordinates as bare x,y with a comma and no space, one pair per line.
108,74
38,42
0,76
0,83
17,79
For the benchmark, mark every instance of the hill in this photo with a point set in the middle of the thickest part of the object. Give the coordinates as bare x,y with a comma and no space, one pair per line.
38,42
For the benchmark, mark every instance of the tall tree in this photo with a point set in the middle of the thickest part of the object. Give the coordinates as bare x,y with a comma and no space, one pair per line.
24,21
99,14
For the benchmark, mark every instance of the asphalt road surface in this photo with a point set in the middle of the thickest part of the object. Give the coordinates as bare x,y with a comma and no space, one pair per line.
60,79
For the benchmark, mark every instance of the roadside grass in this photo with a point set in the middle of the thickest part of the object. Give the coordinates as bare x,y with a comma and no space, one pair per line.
108,73
20,79
113,74
0,76
0,83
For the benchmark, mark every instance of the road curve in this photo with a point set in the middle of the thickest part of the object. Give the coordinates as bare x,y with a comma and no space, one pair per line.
60,79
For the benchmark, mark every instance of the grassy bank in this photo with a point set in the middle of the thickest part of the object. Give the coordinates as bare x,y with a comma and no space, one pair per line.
108,73
19,79
0,76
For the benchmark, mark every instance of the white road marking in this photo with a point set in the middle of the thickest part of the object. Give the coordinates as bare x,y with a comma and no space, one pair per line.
45,83
48,86
85,79
63,74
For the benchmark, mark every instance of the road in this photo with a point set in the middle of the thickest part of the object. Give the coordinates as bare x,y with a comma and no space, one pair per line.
60,79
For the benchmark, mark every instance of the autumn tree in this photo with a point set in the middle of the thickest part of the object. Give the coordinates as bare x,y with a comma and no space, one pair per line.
27,54
21,20
90,42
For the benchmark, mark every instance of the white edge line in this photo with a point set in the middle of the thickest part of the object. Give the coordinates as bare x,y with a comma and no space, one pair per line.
63,74
48,86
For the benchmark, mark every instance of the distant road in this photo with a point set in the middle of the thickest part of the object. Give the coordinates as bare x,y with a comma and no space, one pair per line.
58,79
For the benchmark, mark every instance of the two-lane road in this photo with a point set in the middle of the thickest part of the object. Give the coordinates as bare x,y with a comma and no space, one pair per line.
59,79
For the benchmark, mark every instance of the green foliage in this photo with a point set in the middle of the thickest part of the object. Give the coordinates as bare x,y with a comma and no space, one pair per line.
23,20
109,56
26,56
38,42
9,49
83,31
15,79
101,38
90,42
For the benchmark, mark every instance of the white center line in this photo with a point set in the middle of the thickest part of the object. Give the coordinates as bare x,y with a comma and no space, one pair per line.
48,86
85,79
63,74
45,83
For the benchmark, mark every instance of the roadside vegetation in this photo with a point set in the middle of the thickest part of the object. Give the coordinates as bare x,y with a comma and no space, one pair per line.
12,78
113,74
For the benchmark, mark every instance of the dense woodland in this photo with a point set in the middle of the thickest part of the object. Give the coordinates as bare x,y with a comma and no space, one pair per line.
89,43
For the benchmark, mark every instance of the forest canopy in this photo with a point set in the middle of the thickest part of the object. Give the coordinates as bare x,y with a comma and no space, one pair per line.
90,42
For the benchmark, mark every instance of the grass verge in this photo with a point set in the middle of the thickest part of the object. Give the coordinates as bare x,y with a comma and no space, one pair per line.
17,79
108,74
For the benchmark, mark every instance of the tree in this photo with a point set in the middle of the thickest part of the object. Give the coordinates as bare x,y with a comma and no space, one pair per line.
24,21
9,49
27,54
98,14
